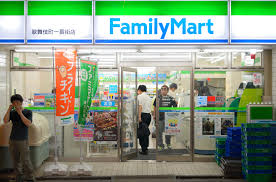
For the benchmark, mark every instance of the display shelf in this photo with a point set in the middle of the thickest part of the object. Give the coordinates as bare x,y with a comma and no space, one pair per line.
52,109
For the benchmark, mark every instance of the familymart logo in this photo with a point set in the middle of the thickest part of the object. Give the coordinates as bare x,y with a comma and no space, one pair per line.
153,26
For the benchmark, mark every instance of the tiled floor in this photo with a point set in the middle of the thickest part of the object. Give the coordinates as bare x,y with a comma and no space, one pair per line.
150,168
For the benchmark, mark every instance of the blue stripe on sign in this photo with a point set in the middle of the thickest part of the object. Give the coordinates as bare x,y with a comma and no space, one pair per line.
218,111
53,41
174,111
11,40
253,41
99,41
201,111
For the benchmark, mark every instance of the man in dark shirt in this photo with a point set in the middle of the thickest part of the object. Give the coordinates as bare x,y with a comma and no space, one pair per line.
164,101
19,147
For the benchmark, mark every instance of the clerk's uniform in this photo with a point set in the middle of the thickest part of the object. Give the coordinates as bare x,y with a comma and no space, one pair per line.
145,101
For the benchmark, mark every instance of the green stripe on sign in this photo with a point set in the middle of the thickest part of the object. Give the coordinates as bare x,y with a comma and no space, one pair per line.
253,8
11,7
161,8
210,72
60,8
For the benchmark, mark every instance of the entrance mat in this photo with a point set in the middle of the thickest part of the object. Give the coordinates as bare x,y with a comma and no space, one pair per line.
144,178
152,153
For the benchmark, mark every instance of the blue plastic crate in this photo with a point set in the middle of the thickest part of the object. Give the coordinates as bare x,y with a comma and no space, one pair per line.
220,146
256,138
259,171
258,146
258,154
260,163
257,129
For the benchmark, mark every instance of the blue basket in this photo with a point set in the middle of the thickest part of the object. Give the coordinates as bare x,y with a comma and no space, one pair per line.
257,129
259,171
258,146
258,154
259,163
220,146
256,137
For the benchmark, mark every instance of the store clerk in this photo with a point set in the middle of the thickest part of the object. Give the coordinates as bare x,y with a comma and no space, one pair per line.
144,102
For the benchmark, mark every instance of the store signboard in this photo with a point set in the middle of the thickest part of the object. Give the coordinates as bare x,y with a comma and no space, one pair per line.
89,86
87,132
161,22
65,66
213,124
252,22
105,126
56,22
108,103
201,101
113,89
44,100
12,22
172,123
257,79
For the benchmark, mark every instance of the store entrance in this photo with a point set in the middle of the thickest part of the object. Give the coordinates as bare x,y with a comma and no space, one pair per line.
129,119
170,138
173,113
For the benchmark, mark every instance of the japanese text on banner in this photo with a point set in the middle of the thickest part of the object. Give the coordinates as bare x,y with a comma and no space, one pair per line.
65,64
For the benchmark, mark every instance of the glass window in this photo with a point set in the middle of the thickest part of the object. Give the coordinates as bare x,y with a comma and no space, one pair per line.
35,59
38,91
221,99
244,59
211,59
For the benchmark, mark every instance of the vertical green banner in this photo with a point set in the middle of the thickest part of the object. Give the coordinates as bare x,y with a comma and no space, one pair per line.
88,88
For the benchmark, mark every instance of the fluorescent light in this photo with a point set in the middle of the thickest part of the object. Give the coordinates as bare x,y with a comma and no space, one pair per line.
169,50
49,57
231,50
33,50
100,56
91,51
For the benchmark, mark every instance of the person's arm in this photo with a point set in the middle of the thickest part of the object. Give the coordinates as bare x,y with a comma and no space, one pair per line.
173,102
7,115
154,110
140,107
140,113
26,120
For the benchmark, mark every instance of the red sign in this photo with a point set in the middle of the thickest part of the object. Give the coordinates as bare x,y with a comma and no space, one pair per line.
65,66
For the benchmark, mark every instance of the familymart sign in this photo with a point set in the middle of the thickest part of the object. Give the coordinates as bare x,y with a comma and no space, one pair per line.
161,22
137,22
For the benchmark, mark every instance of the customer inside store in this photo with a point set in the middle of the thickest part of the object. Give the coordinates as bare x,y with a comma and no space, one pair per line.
144,102
165,100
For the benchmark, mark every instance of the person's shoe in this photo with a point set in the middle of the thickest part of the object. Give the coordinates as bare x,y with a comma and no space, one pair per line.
19,178
143,153
169,146
161,147
30,179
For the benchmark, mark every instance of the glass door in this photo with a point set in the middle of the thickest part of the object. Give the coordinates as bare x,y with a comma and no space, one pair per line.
174,114
129,113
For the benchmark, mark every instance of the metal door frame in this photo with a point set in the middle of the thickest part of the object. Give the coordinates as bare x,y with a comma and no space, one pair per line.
175,158
131,155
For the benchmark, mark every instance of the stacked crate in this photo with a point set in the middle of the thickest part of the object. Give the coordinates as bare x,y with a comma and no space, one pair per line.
233,143
220,149
273,143
256,152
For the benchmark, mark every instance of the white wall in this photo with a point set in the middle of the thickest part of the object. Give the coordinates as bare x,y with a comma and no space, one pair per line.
4,82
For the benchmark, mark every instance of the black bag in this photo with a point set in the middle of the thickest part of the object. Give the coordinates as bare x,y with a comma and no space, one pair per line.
142,130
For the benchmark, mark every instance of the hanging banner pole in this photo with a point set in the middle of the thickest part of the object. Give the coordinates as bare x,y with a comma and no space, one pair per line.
88,87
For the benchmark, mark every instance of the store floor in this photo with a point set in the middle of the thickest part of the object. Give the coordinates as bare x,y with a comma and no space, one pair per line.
140,180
